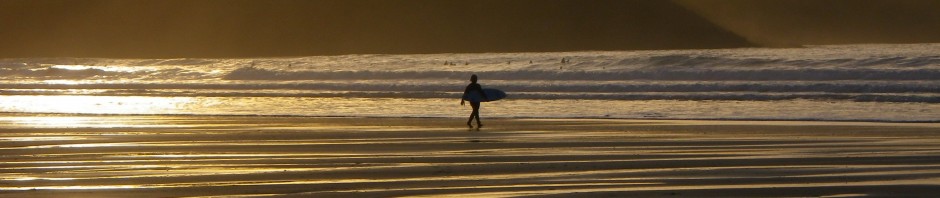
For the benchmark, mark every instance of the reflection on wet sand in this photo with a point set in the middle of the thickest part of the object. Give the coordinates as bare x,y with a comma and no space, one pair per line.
119,156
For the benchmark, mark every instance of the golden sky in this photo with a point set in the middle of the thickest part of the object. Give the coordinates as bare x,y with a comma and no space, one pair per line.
251,28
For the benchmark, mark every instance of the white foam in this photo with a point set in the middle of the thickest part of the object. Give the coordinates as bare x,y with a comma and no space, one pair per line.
847,73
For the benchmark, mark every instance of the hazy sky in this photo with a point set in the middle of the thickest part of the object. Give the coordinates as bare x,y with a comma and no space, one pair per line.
251,28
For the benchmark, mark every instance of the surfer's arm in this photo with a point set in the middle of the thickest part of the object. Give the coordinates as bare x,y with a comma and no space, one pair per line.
465,92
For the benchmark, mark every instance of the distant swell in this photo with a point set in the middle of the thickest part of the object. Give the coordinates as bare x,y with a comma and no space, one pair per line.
869,73
685,75
547,86
693,91
250,73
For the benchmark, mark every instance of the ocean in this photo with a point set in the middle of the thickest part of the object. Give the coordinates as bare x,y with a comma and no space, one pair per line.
872,82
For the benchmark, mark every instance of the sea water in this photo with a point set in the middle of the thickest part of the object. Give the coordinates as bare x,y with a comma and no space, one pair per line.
841,82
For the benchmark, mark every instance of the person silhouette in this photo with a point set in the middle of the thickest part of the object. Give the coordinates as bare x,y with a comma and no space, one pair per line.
474,88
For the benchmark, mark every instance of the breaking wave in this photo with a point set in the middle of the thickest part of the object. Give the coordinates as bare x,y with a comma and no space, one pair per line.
865,82
872,91
249,73
881,73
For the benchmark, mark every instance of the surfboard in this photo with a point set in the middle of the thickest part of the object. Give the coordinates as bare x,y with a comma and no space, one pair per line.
491,94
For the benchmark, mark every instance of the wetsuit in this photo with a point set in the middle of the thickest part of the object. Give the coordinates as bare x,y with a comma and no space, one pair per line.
475,104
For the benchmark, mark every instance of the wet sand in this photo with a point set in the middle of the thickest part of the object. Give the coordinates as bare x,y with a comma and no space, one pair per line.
196,156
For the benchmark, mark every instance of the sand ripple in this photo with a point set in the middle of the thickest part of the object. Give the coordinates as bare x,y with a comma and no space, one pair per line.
193,156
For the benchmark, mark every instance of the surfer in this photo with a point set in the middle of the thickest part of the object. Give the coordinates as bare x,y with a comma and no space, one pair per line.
471,88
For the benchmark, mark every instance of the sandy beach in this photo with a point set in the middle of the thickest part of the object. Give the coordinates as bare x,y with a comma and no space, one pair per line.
248,156
368,98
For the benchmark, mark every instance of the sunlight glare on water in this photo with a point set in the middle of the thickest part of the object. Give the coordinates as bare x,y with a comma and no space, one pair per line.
102,68
57,122
70,187
442,107
92,104
895,83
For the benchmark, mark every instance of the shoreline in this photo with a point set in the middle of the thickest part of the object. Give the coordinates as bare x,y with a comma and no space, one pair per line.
491,118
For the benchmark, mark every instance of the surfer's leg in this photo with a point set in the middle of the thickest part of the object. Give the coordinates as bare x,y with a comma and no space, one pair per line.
479,124
472,114
476,113
471,119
